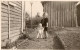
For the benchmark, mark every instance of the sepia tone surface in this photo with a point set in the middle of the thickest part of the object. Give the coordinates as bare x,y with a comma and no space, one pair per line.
19,29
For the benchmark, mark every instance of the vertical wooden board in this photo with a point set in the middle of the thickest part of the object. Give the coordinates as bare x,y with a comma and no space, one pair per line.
62,14
59,15
74,16
67,15
52,14
56,18
71,15
49,14
53,19
66,9
74,23
70,20
55,15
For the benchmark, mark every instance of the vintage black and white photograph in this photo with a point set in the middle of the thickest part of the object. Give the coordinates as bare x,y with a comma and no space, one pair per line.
53,25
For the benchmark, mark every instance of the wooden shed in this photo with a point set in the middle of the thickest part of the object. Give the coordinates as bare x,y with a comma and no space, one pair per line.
11,20
61,13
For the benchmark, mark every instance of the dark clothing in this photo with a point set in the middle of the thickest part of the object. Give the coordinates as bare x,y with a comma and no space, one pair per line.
44,22
45,28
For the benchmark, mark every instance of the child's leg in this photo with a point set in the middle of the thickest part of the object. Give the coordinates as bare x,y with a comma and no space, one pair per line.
38,35
46,33
41,35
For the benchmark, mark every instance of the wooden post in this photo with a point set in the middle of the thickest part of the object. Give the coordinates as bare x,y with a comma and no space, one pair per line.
22,18
8,21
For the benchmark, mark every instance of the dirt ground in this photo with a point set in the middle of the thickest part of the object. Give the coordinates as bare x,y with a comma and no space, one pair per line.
70,37
35,43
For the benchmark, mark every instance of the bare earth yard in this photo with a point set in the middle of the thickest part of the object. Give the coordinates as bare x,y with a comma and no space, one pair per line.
35,43
68,38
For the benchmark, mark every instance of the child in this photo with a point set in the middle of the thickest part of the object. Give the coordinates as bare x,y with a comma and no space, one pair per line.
40,31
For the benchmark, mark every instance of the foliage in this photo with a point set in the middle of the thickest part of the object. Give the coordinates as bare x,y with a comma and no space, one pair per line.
35,21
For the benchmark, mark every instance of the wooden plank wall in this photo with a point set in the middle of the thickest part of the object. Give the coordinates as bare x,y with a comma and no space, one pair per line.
15,19
61,14
4,20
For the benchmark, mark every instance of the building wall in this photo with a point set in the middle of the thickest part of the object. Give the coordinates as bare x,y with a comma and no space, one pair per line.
11,20
4,21
61,14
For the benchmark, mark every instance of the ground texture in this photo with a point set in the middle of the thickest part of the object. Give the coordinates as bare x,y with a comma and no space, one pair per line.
70,37
60,38
50,43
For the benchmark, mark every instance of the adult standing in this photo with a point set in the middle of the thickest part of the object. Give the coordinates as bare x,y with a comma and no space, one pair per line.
44,22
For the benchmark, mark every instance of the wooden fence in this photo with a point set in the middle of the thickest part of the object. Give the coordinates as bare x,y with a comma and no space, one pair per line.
61,14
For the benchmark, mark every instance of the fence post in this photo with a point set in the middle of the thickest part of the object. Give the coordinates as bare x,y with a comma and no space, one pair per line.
8,21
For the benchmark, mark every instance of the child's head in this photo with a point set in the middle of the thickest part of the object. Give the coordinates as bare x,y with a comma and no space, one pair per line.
40,25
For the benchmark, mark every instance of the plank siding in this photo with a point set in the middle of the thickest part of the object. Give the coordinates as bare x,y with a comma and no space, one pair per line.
15,20
61,14
4,20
